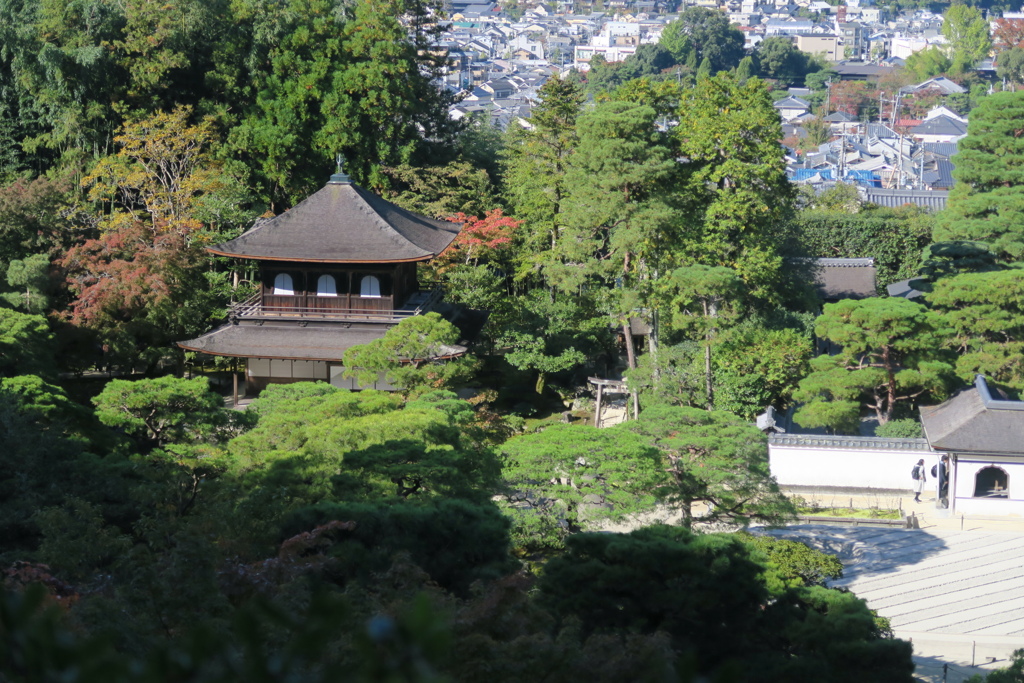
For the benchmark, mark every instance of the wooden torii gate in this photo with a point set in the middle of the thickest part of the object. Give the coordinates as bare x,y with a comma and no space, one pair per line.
614,386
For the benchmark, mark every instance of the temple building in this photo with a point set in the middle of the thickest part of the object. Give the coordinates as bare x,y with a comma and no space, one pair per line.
336,271
984,439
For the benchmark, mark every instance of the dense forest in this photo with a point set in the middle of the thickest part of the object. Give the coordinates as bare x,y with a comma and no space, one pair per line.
149,533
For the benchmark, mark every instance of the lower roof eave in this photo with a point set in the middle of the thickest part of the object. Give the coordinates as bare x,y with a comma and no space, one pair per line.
291,343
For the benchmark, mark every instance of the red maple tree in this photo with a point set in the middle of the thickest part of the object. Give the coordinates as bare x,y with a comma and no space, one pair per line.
480,238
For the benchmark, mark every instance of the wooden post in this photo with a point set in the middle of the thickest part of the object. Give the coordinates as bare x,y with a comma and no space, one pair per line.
597,411
234,388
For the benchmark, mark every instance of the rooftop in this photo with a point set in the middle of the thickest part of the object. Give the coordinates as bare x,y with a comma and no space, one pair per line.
975,422
845,278
343,223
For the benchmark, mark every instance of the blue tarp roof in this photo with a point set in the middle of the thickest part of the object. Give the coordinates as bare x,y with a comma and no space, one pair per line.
805,173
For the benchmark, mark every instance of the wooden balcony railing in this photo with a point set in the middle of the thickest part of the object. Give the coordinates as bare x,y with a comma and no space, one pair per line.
303,307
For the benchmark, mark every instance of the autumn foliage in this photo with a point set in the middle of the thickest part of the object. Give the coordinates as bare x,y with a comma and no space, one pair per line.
1008,33
481,239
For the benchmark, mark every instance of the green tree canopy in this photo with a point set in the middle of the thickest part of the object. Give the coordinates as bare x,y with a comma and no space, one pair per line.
889,352
715,461
576,475
704,299
925,64
986,314
762,628
986,204
314,443
967,33
779,59
1010,65
27,346
736,190
705,34
418,354
538,163
163,410
837,227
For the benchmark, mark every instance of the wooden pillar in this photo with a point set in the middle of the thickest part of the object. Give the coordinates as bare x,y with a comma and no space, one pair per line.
234,387
597,410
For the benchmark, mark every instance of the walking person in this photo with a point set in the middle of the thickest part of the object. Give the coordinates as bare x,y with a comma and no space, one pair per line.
919,478
943,491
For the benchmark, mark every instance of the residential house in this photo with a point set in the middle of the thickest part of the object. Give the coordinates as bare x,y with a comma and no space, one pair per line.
941,128
827,47
790,108
939,84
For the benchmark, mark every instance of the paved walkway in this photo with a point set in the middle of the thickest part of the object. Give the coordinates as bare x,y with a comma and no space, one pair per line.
957,595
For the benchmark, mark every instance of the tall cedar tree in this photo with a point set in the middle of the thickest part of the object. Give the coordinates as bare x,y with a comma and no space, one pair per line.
987,202
736,191
537,170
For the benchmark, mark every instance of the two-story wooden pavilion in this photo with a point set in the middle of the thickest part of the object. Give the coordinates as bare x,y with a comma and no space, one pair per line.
336,271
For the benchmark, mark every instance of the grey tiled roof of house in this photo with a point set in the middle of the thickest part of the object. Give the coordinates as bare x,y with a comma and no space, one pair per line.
933,200
845,278
881,131
942,176
905,289
839,117
940,125
792,103
946,149
852,442
343,223
858,70
944,85
975,422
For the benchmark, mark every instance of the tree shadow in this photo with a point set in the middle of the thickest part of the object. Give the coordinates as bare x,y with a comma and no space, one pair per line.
865,551
947,669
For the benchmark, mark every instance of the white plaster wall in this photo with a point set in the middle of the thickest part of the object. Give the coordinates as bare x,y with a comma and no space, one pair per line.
989,507
287,369
346,383
967,504
309,369
281,369
850,467
259,367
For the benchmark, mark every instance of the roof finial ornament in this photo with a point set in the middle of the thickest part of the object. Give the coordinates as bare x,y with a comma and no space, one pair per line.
340,178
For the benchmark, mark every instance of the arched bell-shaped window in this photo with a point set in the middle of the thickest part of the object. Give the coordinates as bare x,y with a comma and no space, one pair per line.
369,286
283,284
991,482
326,286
